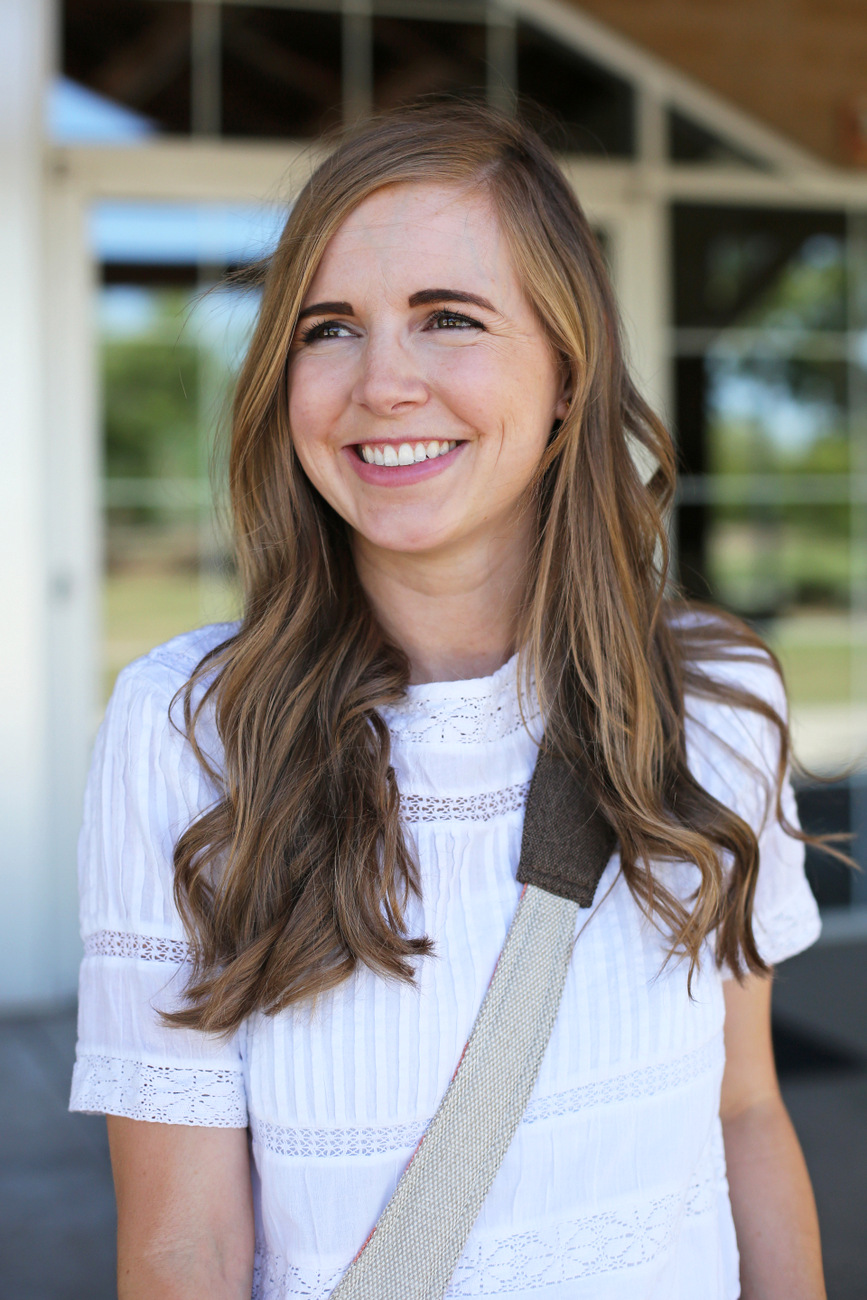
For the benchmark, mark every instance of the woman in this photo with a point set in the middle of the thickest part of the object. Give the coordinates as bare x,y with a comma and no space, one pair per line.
296,889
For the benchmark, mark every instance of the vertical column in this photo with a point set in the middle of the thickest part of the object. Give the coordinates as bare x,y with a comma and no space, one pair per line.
72,540
650,127
502,58
857,370
25,884
357,59
206,89
643,282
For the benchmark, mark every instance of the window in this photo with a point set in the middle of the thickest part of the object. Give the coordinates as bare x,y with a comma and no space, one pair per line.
169,347
412,58
136,54
593,109
280,73
690,142
772,520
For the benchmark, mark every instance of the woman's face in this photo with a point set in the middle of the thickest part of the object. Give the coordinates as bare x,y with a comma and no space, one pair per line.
422,387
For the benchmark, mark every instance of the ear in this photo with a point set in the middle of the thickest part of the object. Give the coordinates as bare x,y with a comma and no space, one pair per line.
565,398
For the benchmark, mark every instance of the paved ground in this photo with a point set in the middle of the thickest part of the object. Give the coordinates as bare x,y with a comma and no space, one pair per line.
56,1205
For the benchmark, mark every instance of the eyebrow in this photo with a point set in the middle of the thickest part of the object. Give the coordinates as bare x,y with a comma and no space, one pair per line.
427,296
424,298
327,309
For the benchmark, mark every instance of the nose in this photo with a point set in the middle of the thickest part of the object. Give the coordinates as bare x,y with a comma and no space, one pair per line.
390,382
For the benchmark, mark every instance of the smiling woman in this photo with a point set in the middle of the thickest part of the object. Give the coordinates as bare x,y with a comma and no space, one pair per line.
423,426
304,832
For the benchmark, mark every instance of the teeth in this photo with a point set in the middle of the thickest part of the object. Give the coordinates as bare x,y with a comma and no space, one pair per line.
406,454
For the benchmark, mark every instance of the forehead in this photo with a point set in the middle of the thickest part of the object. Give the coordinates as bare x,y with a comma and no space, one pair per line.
416,231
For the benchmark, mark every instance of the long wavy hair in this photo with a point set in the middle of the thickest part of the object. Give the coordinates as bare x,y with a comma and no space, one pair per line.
302,869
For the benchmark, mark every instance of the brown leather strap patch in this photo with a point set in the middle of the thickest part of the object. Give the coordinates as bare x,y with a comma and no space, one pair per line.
567,840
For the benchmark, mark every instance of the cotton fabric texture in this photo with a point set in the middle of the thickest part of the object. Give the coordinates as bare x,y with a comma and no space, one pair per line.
614,1186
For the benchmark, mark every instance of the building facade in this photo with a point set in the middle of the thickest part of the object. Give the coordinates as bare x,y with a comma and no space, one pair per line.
148,145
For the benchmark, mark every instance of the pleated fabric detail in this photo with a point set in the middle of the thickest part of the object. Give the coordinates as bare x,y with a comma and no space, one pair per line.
614,1185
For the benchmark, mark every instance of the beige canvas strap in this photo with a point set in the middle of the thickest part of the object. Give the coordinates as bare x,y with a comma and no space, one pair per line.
420,1235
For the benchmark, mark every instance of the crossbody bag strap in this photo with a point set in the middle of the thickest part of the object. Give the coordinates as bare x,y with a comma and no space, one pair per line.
419,1237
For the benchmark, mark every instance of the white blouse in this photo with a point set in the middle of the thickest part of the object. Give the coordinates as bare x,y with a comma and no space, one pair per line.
615,1184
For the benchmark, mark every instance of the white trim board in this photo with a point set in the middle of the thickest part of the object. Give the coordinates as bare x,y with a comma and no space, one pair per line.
188,170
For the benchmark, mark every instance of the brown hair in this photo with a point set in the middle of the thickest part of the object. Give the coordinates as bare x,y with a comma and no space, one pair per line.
302,870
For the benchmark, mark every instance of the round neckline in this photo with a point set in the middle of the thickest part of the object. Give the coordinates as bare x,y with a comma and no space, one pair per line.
463,688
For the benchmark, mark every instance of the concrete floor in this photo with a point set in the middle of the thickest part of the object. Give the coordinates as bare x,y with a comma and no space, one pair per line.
57,1210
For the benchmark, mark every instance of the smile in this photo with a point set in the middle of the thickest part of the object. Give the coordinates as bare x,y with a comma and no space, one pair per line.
405,453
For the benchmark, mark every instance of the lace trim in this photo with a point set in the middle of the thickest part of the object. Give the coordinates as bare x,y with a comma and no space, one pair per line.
548,1256
647,1082
464,808
117,943
473,720
281,1140
163,1094
274,1278
315,1143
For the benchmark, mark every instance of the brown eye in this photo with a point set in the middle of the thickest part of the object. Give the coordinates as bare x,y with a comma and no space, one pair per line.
328,329
453,320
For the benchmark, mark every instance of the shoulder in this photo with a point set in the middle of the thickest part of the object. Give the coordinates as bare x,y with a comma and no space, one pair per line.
733,745
722,655
146,786
170,665
143,721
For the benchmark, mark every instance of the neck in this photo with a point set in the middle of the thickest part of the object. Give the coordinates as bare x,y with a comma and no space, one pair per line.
454,613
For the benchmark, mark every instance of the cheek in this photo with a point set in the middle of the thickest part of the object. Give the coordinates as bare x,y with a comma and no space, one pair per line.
511,396
314,405
482,387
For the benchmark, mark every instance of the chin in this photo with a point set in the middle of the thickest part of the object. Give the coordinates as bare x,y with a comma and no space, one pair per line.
419,541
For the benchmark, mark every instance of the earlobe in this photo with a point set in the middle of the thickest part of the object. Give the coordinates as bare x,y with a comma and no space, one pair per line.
564,401
562,407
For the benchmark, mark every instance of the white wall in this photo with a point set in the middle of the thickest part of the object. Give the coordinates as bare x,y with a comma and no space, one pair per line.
38,940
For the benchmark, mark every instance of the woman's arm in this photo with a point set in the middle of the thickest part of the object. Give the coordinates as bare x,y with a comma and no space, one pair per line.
772,1200
184,1211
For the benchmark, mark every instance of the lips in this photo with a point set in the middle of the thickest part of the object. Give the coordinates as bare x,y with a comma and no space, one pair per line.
393,455
401,471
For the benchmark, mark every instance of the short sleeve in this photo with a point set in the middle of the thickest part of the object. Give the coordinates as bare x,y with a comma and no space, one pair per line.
733,752
145,787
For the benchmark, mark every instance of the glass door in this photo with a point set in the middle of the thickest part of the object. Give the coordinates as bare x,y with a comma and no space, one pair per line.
171,332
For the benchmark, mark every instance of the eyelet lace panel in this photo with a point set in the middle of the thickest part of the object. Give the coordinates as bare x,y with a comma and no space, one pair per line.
702,1194
274,1278
464,808
165,1094
547,1256
145,947
471,721
316,1143
647,1082
565,1252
